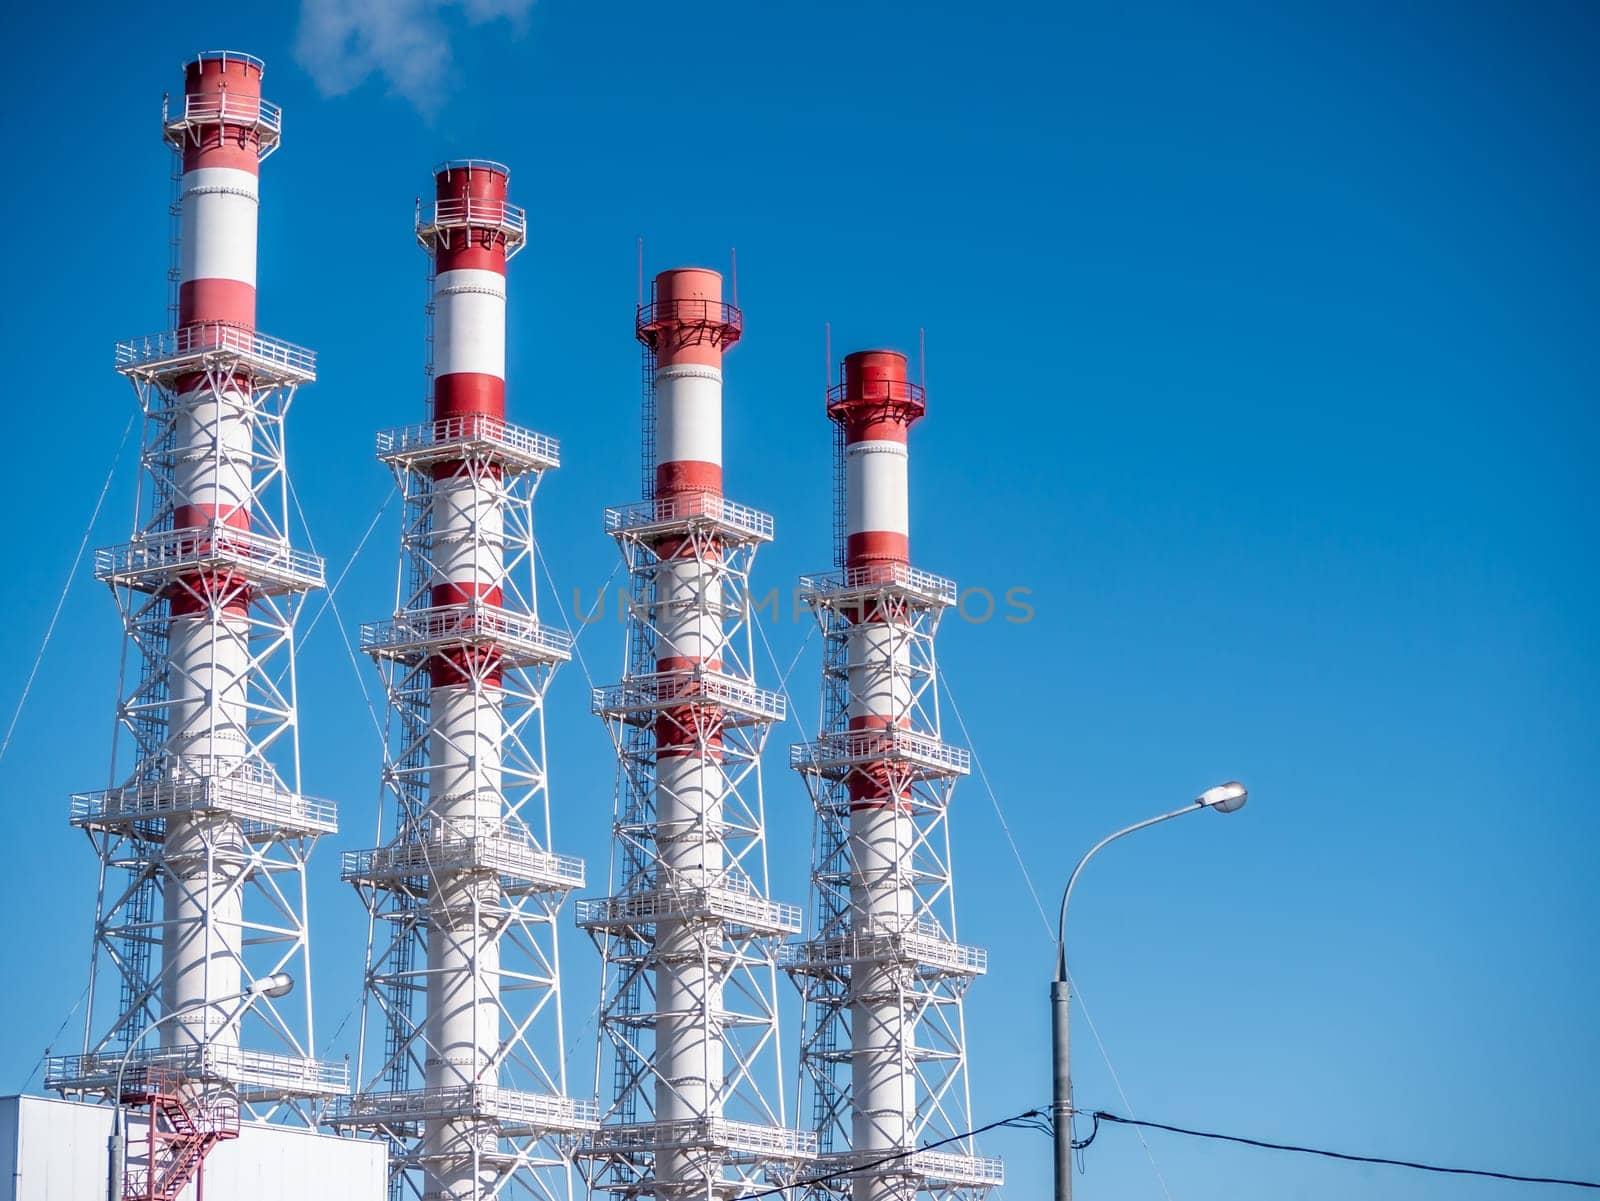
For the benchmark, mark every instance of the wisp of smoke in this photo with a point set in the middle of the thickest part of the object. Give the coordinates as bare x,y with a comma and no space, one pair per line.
342,43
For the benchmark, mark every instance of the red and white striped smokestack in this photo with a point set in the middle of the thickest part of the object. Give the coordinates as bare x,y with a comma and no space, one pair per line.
469,291
469,356
221,175
465,1092
211,811
209,661
467,725
877,405
689,327
689,937
884,976
220,190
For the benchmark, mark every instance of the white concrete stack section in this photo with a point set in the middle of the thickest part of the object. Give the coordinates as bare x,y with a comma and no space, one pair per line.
690,783
470,1090
884,1048
203,847
688,936
207,685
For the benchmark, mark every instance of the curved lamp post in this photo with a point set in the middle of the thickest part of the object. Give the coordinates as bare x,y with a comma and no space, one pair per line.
1224,798
279,984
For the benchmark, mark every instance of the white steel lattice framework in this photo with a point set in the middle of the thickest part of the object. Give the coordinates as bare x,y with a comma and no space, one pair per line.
883,1048
689,937
203,842
461,1062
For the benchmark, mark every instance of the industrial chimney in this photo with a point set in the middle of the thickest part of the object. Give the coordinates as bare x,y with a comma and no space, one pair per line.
688,936
203,843
883,1051
462,1060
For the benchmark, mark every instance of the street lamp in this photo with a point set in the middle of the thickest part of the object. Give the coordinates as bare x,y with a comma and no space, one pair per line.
1224,798
279,984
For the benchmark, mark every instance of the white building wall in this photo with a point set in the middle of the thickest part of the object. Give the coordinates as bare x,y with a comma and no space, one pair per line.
53,1150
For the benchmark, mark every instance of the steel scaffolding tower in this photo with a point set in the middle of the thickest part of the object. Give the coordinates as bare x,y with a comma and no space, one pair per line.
883,1048
464,897
688,937
203,843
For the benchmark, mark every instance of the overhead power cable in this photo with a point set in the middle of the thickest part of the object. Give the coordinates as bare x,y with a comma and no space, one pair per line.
1101,1115
1026,1119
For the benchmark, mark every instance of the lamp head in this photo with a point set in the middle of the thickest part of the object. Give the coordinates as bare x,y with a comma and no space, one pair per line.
279,984
1224,798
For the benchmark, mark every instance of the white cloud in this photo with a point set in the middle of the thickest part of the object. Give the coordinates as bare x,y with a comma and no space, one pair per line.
342,43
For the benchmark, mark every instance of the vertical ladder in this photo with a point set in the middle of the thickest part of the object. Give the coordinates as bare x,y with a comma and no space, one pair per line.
411,799
174,240
647,422
840,530
427,340
134,945
832,879
638,800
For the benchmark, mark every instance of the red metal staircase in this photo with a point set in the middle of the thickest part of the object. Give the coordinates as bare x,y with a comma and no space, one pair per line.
182,1129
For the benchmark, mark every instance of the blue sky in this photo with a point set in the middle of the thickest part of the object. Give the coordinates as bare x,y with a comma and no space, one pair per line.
1262,348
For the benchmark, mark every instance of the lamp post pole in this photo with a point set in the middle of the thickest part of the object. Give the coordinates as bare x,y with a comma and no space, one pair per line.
1224,798
279,984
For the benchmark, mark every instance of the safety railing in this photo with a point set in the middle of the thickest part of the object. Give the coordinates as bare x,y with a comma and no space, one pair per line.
509,220
747,1138
142,1084
260,558
214,1114
875,393
262,802
255,1072
431,438
735,902
472,164
230,56
180,349
419,631
938,1167
263,117
686,508
287,1075
505,1105
670,689
876,577
920,942
723,321
853,748
444,850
